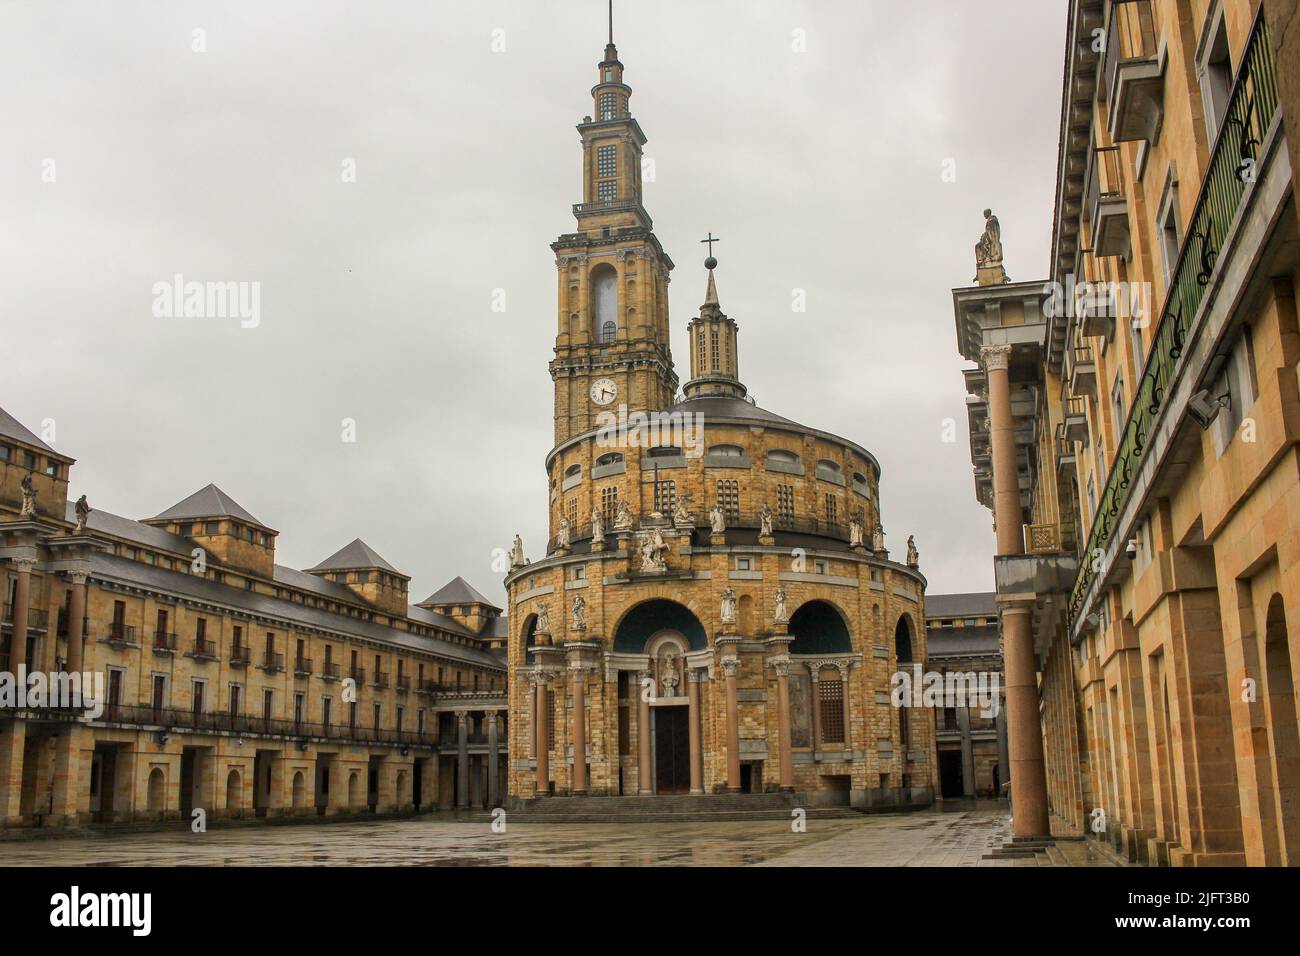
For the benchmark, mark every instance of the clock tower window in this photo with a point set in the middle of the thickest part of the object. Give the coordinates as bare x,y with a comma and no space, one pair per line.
604,281
608,331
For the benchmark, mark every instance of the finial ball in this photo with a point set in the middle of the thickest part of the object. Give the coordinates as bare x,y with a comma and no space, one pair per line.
710,263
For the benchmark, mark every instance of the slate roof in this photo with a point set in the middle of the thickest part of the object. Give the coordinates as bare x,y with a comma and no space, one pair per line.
209,502
11,427
118,527
122,570
969,604
358,554
458,591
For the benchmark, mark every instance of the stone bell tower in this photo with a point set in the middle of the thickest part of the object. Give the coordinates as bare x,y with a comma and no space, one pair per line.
611,343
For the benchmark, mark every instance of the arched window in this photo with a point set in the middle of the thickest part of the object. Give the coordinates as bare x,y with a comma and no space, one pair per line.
608,330
829,470
604,297
903,654
612,458
726,451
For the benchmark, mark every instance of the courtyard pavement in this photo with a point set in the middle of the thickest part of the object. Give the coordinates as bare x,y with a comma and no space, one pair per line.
930,838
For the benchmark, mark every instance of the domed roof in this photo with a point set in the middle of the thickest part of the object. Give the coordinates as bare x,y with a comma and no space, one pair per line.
726,406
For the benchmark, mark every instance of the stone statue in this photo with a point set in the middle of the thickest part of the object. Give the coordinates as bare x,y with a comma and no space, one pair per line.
579,615
729,606
543,619
623,516
83,512
597,526
718,519
779,614
653,549
564,533
878,538
682,516
668,678
517,553
765,521
988,251
29,498
913,556
857,529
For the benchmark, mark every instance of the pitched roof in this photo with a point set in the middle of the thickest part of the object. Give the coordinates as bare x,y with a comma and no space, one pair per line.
358,554
11,427
131,530
969,604
209,502
458,591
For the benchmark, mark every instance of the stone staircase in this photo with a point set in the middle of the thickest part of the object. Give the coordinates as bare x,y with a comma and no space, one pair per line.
677,808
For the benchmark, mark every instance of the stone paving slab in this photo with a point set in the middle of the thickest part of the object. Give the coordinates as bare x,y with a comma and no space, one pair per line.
931,838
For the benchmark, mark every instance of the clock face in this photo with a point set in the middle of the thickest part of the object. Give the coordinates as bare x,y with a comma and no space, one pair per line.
604,391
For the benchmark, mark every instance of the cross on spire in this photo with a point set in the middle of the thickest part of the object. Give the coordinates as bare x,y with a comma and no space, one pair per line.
711,240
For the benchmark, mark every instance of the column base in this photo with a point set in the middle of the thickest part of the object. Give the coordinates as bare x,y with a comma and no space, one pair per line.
698,792
645,793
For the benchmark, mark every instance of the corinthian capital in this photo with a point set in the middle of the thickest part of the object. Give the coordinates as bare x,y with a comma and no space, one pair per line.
995,357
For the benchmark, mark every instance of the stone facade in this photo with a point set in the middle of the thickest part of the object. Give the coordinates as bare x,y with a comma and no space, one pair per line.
231,684
1138,444
707,616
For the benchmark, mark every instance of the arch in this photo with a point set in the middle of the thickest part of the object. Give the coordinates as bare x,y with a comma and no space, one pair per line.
903,640
725,451
157,790
403,798
609,458
829,469
819,628
234,791
526,638
782,456
1284,740
608,331
604,297
299,790
649,618
354,789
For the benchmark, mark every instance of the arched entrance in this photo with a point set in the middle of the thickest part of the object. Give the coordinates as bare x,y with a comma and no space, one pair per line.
299,790
354,790
819,628
157,790
234,790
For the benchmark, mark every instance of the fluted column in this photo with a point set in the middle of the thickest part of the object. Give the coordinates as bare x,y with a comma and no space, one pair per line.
541,735
782,668
730,665
643,736
22,602
693,677
579,730
1025,739
76,621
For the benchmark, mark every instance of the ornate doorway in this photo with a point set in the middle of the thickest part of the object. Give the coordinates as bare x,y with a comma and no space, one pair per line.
672,750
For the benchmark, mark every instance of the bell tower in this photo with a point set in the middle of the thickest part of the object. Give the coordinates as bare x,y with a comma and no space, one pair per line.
611,343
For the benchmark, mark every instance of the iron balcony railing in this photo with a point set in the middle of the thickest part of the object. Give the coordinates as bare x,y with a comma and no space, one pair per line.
1130,35
381,679
330,669
403,682
164,641
240,655
35,617
273,661
358,674
1251,107
203,647
120,633
222,721
302,665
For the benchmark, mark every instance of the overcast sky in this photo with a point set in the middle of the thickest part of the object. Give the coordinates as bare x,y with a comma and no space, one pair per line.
821,170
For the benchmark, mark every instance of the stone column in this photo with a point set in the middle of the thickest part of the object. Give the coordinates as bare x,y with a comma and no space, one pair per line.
967,753
844,667
13,742
579,731
693,678
462,758
493,768
22,602
76,621
814,673
541,734
644,773
782,668
729,667
1025,738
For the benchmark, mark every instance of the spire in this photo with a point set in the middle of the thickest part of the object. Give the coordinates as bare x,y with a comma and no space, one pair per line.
611,51
714,362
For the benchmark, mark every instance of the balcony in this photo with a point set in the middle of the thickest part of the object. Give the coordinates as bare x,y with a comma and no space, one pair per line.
1083,372
164,642
357,675
1076,420
1134,74
36,619
403,683
240,656
122,635
329,671
1252,105
381,680
272,661
1107,207
302,667
203,650
1066,466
